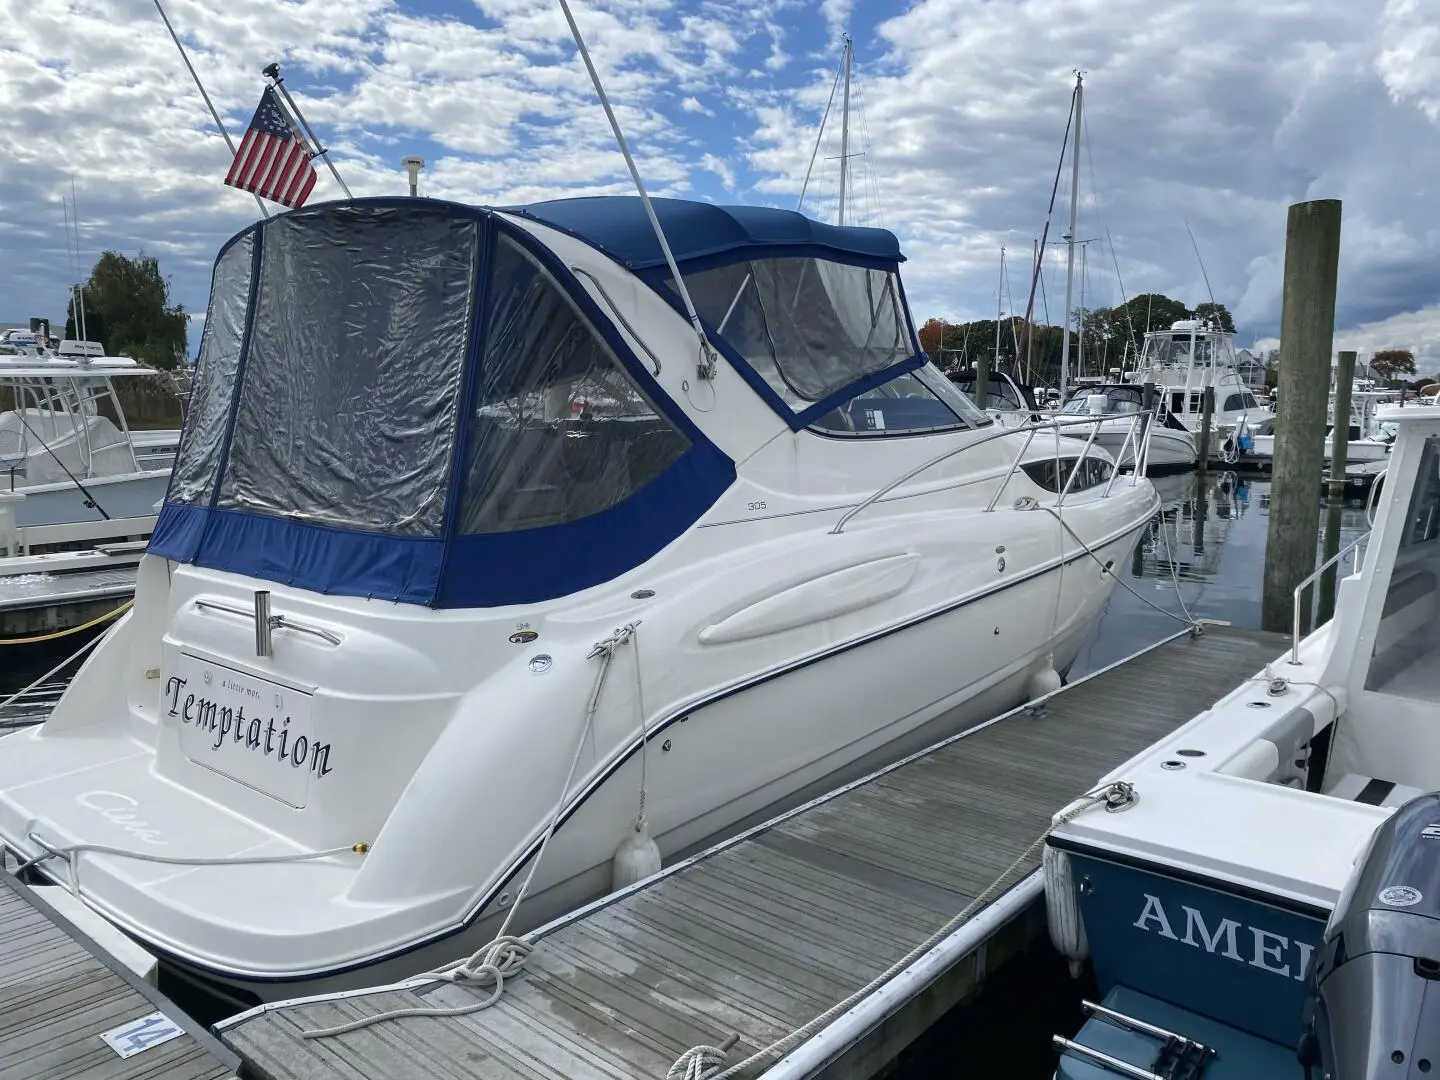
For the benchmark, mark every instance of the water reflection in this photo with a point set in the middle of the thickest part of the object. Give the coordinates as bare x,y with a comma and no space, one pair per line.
1209,542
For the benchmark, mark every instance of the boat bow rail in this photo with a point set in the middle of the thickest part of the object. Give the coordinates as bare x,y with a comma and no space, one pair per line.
1136,436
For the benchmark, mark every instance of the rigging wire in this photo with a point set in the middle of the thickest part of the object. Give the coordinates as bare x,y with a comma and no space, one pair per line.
1201,261
1049,214
819,135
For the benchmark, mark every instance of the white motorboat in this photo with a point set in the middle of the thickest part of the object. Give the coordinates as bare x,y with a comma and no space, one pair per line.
1006,401
1274,883
1367,440
66,452
1171,445
1193,356
473,542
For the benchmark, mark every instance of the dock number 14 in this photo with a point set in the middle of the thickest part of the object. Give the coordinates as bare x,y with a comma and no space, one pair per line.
130,1039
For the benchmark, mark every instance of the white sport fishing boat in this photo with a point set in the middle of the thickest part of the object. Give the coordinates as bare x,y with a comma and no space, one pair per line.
1367,440
1274,884
473,538
79,491
64,442
1183,362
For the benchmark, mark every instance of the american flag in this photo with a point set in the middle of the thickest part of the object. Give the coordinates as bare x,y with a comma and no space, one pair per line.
272,160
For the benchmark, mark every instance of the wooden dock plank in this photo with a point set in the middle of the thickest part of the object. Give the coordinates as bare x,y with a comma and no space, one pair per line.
58,993
757,937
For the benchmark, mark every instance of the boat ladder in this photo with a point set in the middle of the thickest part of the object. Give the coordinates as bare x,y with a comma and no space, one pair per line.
1179,1058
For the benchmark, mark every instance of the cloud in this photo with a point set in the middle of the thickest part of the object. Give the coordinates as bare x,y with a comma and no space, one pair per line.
1219,113
720,168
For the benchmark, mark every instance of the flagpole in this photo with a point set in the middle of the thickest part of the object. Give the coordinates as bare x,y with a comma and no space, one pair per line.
272,72
201,87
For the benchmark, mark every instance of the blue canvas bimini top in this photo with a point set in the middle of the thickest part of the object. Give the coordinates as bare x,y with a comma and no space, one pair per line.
703,232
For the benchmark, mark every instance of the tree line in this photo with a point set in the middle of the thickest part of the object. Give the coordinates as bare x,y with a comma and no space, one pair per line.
1111,338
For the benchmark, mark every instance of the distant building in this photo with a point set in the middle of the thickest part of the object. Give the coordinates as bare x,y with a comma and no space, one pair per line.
1251,369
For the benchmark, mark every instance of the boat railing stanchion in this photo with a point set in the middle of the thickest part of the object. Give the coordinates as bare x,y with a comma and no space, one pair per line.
1084,456
1014,464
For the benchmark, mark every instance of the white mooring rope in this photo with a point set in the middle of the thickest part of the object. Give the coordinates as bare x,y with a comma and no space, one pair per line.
503,957
703,1062
1196,626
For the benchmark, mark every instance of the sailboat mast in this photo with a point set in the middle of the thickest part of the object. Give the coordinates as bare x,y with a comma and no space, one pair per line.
1080,319
1029,336
1070,239
845,133
999,299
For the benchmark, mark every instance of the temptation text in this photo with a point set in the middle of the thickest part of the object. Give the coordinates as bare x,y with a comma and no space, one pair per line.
268,737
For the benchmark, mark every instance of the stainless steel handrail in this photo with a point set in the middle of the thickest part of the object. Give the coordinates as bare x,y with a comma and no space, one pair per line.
1030,430
275,620
1107,1062
619,315
1307,582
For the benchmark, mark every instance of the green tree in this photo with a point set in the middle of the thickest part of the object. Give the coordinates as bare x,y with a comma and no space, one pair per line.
1218,313
1387,364
127,309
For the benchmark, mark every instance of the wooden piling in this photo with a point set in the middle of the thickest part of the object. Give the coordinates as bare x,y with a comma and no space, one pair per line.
1340,418
1344,378
1307,328
1207,417
982,380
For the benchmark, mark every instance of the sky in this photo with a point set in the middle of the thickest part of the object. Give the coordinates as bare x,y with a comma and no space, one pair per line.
1211,114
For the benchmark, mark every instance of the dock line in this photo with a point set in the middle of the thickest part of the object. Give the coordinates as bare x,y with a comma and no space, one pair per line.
53,635
699,1062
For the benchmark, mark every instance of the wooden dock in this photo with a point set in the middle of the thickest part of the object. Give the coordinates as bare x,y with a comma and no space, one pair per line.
758,936
59,997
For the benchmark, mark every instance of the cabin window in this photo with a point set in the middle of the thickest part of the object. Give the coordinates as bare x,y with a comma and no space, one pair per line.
559,431
1250,402
809,327
1407,639
349,396
213,383
1234,403
1053,475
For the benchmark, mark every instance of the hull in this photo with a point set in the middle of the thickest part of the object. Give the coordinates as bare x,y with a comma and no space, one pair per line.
712,768
1239,959
130,496
1355,452
838,692
1170,450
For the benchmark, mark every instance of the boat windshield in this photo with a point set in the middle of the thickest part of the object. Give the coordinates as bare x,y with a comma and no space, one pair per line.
809,327
1118,399
1000,393
1407,641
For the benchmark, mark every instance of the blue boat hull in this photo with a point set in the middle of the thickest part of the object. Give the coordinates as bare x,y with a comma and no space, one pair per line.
1237,960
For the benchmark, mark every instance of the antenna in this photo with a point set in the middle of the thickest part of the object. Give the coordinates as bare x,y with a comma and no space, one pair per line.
708,363
79,269
1201,262
413,165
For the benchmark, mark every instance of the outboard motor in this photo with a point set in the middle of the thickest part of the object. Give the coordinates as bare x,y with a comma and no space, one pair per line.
1373,1011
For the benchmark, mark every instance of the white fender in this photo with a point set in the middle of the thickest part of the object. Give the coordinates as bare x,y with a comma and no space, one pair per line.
1062,910
637,858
